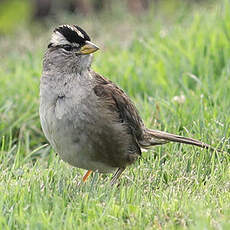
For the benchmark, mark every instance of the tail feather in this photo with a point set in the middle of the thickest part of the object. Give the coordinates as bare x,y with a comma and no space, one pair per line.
156,137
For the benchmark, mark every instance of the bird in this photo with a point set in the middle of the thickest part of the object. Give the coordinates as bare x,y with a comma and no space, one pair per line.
89,121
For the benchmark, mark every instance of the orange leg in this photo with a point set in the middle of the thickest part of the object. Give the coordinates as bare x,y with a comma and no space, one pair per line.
87,175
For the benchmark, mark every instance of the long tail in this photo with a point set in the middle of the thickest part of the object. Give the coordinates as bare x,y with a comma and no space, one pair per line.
155,137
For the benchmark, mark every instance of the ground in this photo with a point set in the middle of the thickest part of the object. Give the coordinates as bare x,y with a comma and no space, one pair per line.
177,72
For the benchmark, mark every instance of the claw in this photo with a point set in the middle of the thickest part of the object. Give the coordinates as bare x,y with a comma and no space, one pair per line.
117,175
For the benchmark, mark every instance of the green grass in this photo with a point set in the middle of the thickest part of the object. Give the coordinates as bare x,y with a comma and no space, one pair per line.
172,187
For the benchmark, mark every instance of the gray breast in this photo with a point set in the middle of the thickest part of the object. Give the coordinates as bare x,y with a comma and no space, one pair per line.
80,127
68,118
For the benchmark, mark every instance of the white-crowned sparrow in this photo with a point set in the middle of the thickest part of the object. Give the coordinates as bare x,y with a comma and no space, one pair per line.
87,119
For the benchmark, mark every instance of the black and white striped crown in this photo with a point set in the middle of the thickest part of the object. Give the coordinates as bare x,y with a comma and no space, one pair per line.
67,34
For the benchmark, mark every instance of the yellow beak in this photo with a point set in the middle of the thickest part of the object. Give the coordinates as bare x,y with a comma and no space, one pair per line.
88,48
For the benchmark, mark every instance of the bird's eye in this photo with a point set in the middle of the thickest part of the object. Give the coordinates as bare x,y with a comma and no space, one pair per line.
67,47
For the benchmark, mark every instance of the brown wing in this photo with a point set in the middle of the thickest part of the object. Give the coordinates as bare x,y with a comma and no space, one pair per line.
118,102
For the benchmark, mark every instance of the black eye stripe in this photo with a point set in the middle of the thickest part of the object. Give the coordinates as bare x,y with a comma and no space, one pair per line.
66,47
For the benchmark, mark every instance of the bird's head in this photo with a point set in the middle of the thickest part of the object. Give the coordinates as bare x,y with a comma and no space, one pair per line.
70,48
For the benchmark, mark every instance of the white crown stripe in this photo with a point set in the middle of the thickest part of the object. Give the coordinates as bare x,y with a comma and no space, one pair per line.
58,39
79,33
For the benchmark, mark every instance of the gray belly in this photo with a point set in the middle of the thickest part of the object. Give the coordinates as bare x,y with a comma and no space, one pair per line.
81,129
70,129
